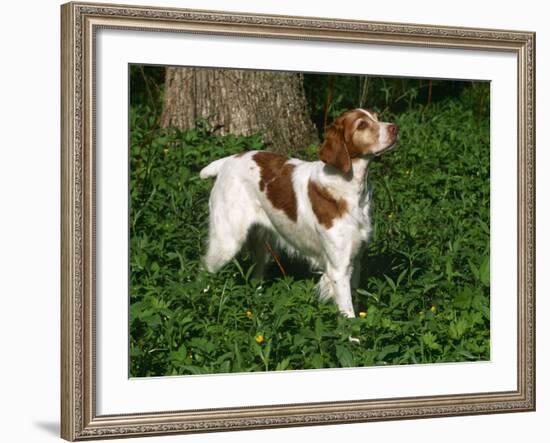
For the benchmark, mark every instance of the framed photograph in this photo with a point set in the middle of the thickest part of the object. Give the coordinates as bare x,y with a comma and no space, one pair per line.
284,221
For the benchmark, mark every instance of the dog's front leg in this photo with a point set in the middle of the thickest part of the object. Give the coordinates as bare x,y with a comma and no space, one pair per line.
340,279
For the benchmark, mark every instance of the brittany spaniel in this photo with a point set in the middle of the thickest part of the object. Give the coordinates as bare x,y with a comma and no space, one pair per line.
316,210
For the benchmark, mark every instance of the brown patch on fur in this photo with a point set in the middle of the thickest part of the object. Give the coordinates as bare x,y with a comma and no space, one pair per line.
276,181
333,150
325,207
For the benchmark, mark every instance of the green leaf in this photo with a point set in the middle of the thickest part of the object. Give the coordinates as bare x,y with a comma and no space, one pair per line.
283,364
458,328
464,298
430,341
373,316
238,357
387,350
319,329
317,361
473,268
345,357
449,268
484,271
196,370
401,276
390,282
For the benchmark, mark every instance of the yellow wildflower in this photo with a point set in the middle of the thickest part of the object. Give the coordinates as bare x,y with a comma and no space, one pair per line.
249,314
259,339
362,314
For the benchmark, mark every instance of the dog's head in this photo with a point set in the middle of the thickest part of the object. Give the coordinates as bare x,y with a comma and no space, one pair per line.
355,134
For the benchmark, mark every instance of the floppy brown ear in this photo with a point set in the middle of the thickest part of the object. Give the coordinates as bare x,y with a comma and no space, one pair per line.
333,150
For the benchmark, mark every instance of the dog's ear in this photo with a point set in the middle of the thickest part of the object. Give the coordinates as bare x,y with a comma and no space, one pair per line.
333,150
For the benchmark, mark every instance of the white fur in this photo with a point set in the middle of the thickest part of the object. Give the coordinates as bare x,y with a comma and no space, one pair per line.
240,211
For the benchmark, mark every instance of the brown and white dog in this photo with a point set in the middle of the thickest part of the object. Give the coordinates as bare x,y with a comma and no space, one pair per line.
316,210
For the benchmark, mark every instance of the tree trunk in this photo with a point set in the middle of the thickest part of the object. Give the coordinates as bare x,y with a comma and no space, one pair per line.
241,102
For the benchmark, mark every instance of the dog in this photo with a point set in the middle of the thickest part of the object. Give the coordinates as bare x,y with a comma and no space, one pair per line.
319,210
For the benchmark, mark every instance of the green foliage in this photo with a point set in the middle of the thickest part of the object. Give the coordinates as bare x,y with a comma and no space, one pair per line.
147,85
329,95
425,289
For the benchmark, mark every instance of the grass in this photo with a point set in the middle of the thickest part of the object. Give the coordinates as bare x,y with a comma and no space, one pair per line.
424,297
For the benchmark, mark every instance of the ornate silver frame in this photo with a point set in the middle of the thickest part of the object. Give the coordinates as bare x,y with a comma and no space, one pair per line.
79,420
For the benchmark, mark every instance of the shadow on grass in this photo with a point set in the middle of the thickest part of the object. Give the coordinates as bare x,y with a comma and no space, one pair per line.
374,264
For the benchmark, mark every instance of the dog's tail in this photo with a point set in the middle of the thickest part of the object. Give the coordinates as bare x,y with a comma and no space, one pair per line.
213,169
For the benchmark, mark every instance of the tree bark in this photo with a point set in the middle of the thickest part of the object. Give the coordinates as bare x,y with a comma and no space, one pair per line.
241,102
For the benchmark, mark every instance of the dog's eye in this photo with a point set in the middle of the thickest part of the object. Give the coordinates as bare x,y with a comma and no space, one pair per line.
362,124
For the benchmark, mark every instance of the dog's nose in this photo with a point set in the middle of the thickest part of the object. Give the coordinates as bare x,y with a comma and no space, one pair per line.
393,129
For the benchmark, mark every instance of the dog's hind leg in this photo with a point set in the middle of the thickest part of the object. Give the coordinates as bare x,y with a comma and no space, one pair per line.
228,227
225,240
